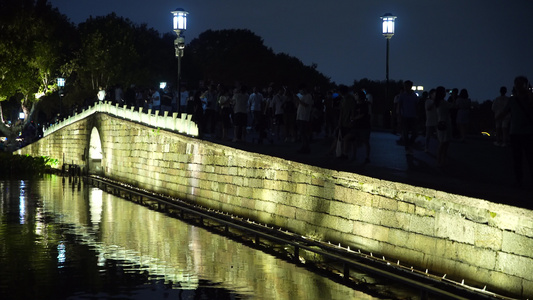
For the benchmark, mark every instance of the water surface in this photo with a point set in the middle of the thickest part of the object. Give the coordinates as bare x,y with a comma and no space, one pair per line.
64,239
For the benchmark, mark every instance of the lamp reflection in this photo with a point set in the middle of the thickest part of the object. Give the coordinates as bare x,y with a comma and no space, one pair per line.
61,254
95,206
22,203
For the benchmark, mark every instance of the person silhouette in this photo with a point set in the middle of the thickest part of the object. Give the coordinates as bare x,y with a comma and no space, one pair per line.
502,124
407,105
462,120
431,118
444,125
520,106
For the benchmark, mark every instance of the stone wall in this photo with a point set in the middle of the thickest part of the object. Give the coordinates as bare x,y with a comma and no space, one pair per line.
471,239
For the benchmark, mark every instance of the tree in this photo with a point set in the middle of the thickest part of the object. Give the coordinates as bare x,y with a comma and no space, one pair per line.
33,46
114,51
227,56
107,52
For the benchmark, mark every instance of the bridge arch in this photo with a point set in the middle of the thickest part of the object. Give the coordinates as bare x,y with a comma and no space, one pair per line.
96,153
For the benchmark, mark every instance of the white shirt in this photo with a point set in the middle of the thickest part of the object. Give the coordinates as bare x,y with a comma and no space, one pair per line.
101,95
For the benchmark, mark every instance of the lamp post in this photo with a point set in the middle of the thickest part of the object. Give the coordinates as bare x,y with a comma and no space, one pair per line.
388,32
180,25
61,85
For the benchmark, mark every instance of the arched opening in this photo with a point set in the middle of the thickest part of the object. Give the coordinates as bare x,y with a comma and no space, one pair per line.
95,153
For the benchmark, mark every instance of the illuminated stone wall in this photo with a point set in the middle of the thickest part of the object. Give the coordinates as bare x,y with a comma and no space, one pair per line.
465,238
68,145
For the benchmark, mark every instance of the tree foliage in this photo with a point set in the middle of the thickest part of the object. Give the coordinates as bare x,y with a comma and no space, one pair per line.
107,54
228,56
114,51
33,46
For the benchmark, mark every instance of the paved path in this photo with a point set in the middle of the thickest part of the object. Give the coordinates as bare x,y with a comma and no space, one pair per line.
475,168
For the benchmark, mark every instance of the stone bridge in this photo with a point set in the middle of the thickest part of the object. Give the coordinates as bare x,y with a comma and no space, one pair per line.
471,241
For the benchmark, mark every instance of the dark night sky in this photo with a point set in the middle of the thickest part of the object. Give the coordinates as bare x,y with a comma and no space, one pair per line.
479,45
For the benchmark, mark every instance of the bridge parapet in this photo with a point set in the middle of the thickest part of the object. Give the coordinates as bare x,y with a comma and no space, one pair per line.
183,124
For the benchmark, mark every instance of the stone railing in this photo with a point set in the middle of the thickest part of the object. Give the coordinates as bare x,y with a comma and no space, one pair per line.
183,124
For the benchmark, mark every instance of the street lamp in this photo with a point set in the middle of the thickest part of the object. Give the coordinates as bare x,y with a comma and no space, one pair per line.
180,24
61,85
388,32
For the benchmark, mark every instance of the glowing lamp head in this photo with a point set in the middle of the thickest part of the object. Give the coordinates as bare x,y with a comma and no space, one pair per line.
388,25
61,82
180,19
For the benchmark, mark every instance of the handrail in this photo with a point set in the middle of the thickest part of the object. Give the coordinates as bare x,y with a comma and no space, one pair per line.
183,124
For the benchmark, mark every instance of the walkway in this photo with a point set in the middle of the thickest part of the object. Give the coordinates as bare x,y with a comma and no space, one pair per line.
475,168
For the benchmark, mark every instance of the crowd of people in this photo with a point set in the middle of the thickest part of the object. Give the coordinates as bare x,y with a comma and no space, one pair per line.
446,112
275,112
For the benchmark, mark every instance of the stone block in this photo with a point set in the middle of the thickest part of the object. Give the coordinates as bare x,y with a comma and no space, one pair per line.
387,203
400,238
287,186
244,192
337,223
527,289
282,175
304,202
285,211
423,243
454,227
370,215
392,219
514,265
481,257
488,237
238,180
362,229
517,244
264,206
502,284
271,184
340,209
422,224
309,216
406,256
295,225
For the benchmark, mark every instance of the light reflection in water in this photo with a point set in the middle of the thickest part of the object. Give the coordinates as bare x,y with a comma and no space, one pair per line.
61,254
22,202
95,203
183,253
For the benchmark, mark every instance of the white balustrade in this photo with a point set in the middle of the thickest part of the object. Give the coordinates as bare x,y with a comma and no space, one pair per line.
183,124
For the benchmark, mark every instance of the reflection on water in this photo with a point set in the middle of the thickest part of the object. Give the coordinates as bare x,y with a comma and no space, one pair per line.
71,240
